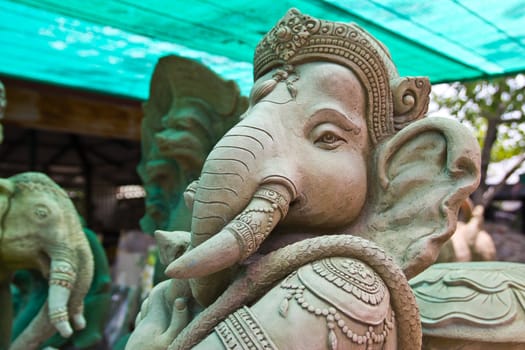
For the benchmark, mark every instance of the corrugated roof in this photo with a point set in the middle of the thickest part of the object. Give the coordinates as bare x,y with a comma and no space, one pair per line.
112,46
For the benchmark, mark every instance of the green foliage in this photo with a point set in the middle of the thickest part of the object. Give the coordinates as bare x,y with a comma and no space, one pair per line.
494,110
487,104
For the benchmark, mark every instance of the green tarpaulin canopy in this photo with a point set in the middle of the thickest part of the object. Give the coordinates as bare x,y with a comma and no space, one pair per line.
111,46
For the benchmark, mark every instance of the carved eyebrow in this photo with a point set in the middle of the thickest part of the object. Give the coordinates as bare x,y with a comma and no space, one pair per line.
341,119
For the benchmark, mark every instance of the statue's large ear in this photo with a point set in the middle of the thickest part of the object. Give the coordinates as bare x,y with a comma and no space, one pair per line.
421,177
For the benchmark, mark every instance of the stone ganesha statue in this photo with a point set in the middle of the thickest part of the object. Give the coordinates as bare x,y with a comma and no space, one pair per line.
311,213
41,230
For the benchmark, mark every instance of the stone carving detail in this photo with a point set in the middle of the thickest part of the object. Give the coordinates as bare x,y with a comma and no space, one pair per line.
297,37
409,95
476,305
30,291
241,330
253,225
338,192
352,277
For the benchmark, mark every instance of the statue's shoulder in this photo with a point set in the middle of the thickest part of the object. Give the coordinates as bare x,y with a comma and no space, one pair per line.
350,285
339,300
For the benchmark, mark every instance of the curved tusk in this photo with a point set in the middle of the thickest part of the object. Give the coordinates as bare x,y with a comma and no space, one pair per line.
239,239
61,281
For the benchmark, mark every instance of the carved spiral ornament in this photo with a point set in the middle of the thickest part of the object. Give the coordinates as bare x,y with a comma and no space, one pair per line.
411,98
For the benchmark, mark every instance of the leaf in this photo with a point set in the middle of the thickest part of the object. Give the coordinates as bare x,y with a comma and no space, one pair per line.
332,340
292,90
283,308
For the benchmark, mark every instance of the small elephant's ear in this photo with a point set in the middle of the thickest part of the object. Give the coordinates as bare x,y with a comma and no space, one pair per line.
424,173
7,187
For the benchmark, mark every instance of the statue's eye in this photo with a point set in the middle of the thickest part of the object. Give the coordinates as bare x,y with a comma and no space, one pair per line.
327,136
329,140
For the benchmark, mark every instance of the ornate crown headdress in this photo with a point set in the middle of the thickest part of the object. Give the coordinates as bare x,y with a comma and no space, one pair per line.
299,38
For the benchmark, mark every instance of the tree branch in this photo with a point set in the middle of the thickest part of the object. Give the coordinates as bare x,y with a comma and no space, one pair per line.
489,194
488,142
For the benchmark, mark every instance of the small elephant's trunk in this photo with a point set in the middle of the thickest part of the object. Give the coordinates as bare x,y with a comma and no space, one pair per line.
241,237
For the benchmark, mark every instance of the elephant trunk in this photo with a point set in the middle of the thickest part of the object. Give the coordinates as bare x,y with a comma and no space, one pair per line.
241,237
236,184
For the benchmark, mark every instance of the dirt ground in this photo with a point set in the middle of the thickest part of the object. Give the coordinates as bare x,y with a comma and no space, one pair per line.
510,244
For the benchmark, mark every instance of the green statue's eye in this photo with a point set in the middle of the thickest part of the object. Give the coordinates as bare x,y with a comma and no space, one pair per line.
41,212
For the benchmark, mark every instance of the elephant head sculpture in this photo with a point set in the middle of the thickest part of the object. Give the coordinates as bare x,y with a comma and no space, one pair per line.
331,159
41,230
329,144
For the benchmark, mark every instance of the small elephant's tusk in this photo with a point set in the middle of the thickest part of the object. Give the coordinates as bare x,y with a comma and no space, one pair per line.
79,321
61,281
64,328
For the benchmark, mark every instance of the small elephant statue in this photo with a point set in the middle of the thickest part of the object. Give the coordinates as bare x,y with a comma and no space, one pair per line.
470,242
30,291
41,230
312,212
